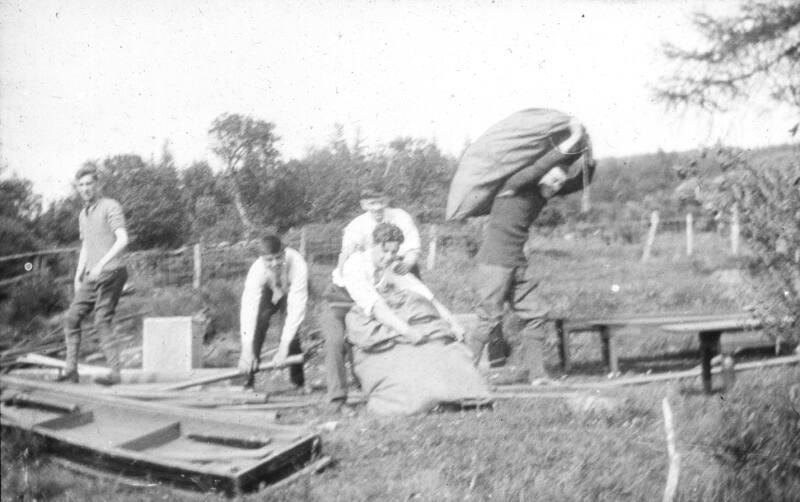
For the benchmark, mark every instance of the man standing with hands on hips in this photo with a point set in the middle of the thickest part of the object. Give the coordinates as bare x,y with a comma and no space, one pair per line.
99,277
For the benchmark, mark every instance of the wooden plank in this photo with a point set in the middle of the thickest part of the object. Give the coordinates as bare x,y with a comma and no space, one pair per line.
22,399
237,442
293,448
655,319
728,325
69,421
678,375
290,361
52,362
158,437
80,391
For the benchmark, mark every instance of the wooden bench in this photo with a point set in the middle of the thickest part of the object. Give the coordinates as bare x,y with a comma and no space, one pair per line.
709,334
606,327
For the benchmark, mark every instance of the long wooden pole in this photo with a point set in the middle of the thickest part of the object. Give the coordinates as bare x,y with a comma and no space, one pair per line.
290,361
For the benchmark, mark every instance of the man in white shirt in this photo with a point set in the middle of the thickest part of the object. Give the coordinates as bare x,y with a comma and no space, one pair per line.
277,282
358,237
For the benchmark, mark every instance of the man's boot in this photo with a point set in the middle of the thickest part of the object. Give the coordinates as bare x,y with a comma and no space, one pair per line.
498,350
70,374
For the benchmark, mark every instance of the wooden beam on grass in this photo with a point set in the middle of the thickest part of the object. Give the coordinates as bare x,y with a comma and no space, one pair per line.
290,361
677,375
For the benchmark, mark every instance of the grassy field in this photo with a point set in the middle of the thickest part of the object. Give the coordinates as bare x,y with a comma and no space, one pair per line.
743,445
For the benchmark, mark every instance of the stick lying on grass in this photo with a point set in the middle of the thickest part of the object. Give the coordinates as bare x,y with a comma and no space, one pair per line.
291,360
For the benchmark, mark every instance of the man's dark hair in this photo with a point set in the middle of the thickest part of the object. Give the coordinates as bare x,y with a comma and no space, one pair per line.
386,232
271,244
87,170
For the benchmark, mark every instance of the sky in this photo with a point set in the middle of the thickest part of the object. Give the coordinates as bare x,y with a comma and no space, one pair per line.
86,79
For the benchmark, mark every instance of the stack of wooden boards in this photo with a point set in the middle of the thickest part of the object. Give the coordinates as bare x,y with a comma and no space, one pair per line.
207,450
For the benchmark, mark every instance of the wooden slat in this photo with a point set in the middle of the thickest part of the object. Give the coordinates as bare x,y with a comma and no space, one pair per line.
727,325
70,421
22,399
158,437
649,320
290,361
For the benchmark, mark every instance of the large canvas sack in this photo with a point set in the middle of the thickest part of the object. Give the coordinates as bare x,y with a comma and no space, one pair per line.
410,379
513,143
403,379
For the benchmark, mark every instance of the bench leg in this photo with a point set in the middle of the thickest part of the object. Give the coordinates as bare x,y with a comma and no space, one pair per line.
610,358
728,372
563,345
709,342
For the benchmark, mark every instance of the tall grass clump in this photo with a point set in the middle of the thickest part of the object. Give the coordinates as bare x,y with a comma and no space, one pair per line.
746,444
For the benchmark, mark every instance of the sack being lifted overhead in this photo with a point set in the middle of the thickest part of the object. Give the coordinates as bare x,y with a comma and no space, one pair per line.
513,143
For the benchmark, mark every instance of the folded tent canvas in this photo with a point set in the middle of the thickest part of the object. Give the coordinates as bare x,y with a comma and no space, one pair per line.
515,142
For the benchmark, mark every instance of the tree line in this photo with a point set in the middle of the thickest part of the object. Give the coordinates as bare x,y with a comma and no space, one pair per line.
167,205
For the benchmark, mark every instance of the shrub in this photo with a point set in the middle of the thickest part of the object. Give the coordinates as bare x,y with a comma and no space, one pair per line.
38,296
766,195
758,445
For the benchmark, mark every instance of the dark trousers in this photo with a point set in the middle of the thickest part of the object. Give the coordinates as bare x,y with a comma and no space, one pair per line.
337,305
101,296
516,286
266,309
337,351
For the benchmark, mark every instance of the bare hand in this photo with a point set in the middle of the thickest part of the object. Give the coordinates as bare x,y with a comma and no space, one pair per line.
458,331
247,364
552,182
279,359
94,273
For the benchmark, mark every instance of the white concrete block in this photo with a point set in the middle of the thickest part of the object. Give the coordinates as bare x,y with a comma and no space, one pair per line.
171,344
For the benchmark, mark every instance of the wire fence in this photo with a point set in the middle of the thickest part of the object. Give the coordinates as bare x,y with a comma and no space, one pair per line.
320,243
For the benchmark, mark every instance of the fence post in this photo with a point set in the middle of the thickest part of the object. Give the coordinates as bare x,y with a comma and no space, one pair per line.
689,234
302,249
586,195
651,236
735,230
432,248
198,266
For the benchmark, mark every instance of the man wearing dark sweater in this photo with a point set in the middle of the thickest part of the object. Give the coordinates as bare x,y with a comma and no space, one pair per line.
504,274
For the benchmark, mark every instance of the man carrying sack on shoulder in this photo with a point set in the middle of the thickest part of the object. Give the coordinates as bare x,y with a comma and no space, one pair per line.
510,173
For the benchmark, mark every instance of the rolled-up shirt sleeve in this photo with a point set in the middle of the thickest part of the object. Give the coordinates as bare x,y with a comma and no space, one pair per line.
356,277
115,216
297,297
251,297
